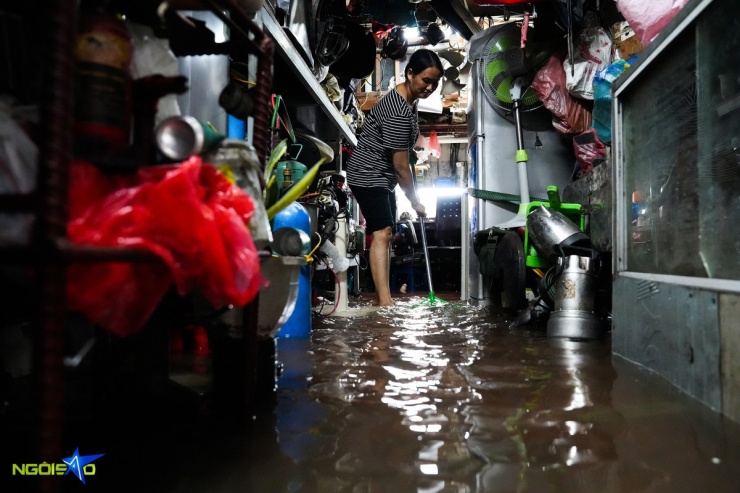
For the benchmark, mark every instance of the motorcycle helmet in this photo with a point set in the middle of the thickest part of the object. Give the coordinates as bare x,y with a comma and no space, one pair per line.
333,42
395,44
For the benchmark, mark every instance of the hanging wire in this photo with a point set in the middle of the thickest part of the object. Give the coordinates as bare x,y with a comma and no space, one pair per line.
309,256
276,99
377,57
336,289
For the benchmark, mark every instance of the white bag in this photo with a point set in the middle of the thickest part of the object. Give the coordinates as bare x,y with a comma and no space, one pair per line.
593,52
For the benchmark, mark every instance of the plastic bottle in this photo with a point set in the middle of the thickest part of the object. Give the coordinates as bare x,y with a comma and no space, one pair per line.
602,86
103,83
638,204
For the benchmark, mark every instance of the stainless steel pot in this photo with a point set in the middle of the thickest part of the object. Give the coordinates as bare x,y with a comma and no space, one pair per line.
574,314
549,230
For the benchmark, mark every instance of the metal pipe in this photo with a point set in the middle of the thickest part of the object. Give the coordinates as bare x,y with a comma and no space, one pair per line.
55,156
521,162
426,253
423,237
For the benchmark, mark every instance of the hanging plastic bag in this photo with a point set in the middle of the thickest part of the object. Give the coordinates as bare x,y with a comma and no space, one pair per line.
188,215
593,53
589,150
647,19
571,116
434,148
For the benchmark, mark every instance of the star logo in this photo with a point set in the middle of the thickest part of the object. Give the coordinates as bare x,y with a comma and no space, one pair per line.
77,462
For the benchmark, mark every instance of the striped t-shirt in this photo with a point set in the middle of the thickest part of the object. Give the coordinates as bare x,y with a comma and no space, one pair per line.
391,125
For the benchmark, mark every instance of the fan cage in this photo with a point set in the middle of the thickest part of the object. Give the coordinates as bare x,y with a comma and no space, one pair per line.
496,78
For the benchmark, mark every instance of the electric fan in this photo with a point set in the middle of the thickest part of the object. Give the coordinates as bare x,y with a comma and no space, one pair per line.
505,74
504,65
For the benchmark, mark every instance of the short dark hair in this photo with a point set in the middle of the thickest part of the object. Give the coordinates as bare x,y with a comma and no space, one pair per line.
421,60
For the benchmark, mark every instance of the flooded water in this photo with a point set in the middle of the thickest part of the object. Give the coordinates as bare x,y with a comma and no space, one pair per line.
418,399
450,399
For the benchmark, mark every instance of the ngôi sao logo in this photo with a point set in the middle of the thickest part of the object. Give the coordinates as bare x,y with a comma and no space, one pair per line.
78,464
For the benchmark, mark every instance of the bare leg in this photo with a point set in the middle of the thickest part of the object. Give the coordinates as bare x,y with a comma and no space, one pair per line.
380,265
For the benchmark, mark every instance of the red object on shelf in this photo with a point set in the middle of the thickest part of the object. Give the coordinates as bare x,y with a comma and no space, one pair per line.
103,92
189,215
176,344
200,340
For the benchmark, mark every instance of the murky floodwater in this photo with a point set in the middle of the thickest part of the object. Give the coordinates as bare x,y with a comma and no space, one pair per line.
419,399
450,399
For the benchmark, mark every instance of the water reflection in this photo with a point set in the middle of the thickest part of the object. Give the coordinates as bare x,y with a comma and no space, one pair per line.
450,399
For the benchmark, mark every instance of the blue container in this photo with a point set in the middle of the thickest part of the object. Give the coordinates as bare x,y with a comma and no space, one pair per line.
236,128
299,322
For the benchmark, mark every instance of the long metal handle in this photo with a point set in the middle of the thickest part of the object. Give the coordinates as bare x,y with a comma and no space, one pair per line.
426,252
423,234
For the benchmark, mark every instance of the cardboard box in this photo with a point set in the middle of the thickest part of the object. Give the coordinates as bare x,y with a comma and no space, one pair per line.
626,43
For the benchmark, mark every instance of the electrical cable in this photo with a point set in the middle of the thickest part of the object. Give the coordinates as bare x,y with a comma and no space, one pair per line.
239,78
309,256
336,290
276,99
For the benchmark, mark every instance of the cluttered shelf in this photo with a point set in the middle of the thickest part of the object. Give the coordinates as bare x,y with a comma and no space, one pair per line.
50,204
315,94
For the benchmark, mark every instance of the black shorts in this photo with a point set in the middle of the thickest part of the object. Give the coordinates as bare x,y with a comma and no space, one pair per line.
378,205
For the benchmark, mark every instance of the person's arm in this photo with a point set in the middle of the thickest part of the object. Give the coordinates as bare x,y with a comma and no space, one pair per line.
402,167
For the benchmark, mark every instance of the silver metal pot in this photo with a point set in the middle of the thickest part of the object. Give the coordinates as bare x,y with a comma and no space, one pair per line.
575,290
549,230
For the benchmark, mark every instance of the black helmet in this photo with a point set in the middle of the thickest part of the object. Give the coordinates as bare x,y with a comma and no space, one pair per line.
395,44
333,42
330,24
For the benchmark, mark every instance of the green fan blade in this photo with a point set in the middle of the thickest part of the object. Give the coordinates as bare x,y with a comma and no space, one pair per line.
493,68
503,43
503,91
530,98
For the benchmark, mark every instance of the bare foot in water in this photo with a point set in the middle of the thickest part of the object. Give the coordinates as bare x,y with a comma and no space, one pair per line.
388,302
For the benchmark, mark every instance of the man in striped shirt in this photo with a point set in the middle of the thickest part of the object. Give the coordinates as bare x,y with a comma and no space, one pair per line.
381,161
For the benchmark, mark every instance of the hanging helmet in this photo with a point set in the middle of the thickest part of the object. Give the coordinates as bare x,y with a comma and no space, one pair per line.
329,27
395,44
333,42
424,15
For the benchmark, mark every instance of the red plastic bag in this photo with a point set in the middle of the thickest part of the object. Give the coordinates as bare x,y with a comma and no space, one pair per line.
434,148
571,116
189,215
589,150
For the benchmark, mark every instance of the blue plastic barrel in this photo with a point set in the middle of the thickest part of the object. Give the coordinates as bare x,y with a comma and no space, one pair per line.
299,323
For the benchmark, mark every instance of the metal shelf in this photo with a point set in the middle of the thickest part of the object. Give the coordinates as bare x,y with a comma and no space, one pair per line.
302,71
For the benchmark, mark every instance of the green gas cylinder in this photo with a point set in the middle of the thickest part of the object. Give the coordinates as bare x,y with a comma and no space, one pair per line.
290,170
296,171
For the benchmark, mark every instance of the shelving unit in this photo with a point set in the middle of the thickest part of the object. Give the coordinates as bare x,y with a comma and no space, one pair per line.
49,252
313,93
